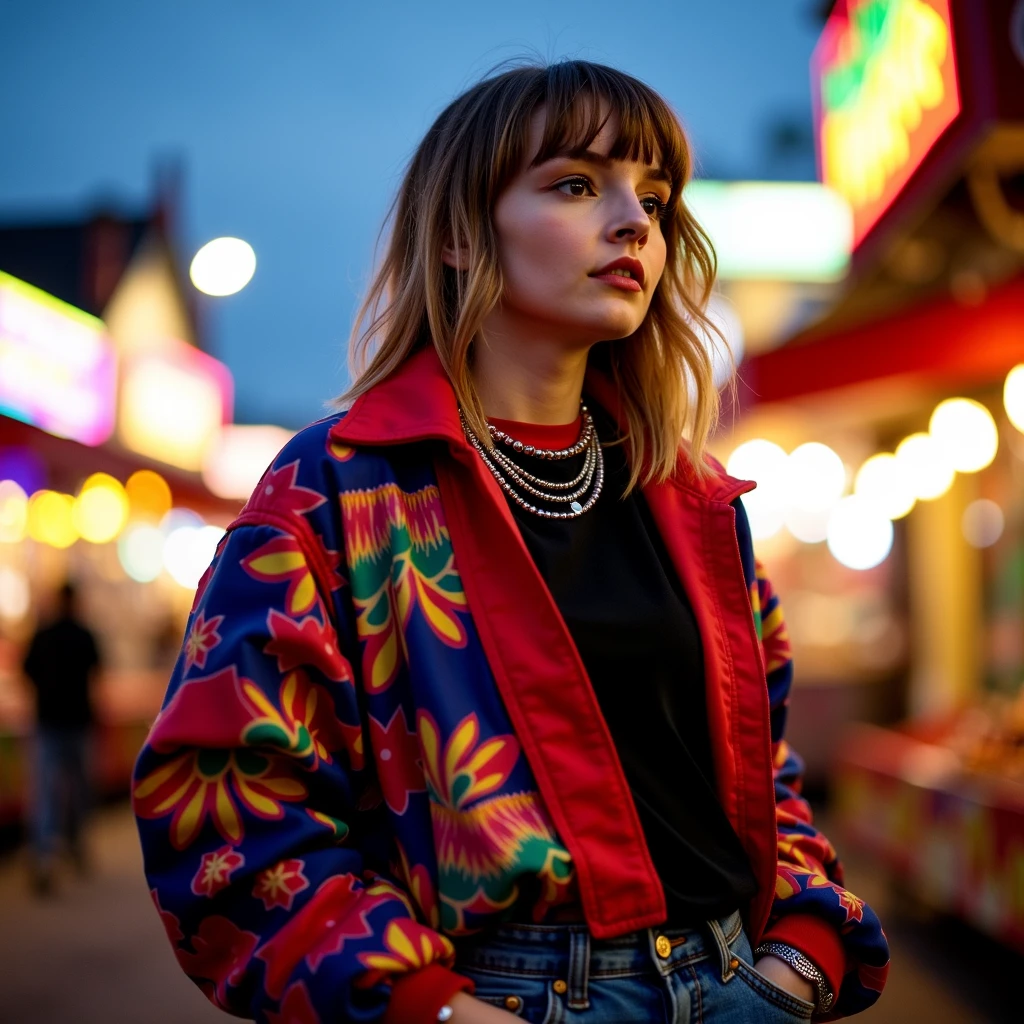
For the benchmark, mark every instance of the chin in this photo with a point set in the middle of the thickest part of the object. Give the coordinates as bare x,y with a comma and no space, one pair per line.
614,328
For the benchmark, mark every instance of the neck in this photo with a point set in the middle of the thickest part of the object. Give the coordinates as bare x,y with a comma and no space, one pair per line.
528,376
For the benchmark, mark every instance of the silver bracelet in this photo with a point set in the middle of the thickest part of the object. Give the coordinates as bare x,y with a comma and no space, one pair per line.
445,1013
806,968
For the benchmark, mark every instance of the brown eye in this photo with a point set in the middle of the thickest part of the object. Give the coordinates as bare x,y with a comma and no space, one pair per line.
576,187
654,207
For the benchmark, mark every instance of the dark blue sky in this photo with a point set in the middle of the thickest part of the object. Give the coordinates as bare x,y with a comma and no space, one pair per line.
293,122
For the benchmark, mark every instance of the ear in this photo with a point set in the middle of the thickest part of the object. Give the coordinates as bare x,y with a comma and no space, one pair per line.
457,259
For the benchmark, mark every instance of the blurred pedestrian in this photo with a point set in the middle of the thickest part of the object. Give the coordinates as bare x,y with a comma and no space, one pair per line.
480,712
61,663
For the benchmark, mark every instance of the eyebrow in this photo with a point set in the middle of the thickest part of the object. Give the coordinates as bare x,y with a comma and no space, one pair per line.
589,156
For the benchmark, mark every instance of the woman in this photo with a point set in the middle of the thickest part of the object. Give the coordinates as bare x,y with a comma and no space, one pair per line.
479,714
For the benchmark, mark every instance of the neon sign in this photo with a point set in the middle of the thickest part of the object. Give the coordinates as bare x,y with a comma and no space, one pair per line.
885,74
58,369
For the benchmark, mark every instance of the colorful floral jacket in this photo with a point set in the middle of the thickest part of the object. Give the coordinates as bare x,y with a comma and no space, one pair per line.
379,735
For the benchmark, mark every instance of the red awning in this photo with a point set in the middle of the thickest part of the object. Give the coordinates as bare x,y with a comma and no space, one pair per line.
943,342
68,462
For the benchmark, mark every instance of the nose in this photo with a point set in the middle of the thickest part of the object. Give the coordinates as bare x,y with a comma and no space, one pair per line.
632,222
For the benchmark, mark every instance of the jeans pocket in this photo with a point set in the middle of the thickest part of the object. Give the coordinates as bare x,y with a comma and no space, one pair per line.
779,998
523,995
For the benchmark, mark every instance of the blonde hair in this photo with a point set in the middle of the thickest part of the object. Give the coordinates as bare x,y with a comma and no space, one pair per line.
662,372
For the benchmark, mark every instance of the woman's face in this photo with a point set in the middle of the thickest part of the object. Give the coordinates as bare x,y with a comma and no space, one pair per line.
580,242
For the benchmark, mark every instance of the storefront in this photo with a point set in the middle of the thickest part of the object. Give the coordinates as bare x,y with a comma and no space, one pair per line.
888,440
101,458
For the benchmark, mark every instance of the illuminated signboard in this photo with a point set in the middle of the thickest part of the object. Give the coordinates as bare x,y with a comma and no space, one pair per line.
58,369
885,75
774,230
173,404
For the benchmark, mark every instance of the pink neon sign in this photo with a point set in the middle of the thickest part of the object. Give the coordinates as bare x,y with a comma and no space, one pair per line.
58,369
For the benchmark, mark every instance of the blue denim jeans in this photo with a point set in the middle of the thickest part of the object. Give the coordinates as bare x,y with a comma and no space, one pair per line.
550,974
61,788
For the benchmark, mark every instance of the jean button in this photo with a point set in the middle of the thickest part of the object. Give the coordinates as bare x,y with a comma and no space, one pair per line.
663,947
513,1003
560,987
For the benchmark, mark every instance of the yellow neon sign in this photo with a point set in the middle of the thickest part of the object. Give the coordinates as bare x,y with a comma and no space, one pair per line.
887,85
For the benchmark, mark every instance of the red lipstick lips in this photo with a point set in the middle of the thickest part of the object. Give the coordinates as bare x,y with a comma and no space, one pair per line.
634,282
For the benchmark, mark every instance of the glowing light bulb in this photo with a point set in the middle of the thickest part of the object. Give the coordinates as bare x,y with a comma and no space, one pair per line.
767,464
859,536
881,483
100,510
49,519
925,466
809,527
13,512
1013,396
223,266
817,477
140,550
966,433
149,495
188,551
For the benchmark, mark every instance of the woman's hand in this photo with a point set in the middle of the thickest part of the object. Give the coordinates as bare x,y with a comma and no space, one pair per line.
781,974
468,1010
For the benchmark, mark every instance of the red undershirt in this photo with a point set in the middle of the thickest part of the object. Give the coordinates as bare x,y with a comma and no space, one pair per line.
542,435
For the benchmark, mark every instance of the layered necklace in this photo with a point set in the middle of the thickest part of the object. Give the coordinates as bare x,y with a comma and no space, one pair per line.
516,481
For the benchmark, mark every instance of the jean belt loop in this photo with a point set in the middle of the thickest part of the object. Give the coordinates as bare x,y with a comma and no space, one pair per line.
579,969
722,948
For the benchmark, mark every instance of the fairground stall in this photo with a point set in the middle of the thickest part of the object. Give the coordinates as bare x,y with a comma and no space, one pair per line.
888,443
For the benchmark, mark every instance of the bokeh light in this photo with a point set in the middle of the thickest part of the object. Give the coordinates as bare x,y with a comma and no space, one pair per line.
859,536
15,594
817,477
223,266
50,519
966,433
1013,396
882,483
767,464
726,351
238,457
101,509
810,527
13,512
188,551
140,550
149,495
180,517
925,466
983,523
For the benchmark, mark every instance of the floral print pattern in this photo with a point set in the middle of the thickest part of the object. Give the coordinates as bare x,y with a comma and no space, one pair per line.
333,788
278,886
215,870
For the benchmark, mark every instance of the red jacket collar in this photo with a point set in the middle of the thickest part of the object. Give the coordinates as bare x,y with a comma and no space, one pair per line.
417,403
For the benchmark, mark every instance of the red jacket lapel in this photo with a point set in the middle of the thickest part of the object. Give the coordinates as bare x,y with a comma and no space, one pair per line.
539,673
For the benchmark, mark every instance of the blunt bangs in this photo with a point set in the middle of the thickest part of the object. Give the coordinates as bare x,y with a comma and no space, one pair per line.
580,98
474,149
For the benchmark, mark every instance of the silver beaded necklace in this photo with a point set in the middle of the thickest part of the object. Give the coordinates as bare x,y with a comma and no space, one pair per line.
503,469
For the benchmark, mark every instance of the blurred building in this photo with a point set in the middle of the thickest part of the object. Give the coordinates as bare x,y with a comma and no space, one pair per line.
887,437
115,436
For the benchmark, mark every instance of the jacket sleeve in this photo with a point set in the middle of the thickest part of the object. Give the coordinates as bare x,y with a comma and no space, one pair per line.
812,911
247,795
